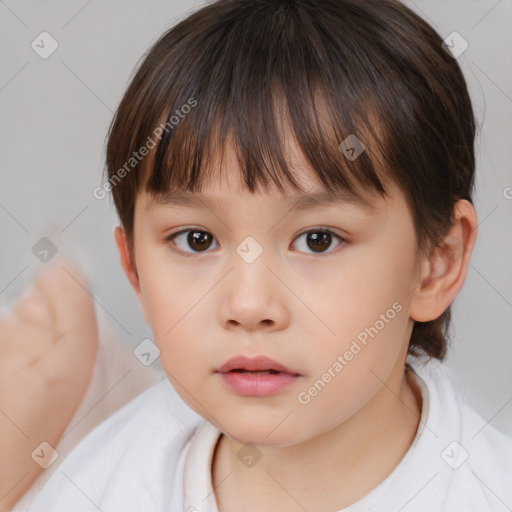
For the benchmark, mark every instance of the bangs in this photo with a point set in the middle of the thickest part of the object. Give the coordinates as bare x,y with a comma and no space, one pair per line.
261,91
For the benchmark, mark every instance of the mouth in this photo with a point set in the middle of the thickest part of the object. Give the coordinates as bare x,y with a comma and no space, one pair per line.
255,372
257,376
258,365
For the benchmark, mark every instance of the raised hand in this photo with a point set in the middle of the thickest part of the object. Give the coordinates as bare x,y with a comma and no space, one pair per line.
48,346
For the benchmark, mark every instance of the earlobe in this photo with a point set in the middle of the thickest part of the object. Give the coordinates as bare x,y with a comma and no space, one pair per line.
445,270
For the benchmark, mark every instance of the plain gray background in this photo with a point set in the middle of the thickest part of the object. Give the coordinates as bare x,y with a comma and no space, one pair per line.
55,113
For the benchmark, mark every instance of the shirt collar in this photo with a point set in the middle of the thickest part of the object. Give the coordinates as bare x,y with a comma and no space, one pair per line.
198,491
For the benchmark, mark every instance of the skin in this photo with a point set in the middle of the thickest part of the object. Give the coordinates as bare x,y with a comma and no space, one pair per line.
303,309
48,343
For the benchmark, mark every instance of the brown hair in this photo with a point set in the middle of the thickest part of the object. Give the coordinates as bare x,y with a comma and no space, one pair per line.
234,68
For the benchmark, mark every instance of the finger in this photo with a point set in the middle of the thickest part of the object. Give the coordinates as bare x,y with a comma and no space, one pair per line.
69,298
32,307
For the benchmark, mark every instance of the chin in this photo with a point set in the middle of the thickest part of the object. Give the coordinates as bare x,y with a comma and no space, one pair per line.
261,433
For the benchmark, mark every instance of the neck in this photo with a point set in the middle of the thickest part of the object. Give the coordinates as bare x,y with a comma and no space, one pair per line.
326,473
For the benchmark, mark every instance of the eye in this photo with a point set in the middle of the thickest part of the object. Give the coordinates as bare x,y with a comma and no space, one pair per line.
197,239
317,239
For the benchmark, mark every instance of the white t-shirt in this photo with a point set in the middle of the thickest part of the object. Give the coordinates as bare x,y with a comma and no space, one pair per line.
154,455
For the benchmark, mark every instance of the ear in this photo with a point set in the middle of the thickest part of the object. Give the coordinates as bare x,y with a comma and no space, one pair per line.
444,271
129,267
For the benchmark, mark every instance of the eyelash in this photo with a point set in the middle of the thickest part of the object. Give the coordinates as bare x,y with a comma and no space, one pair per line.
319,229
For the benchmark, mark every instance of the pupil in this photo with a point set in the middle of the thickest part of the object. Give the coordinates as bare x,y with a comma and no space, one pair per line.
199,238
318,241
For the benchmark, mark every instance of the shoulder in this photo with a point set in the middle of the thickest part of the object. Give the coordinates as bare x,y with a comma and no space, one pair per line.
449,408
159,410
466,461
121,464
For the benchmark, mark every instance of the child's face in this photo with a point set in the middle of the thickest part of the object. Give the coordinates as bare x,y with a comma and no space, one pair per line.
334,312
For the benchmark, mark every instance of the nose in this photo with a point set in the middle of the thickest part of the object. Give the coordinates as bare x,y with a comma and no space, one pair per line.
253,298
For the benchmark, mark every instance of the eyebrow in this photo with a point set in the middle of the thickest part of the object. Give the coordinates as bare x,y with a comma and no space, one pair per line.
303,202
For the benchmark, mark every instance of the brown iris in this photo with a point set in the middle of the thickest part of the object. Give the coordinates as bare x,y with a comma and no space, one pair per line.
199,240
319,240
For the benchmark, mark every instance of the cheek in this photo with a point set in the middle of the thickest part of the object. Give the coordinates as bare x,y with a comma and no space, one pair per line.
174,313
349,372
354,293
364,316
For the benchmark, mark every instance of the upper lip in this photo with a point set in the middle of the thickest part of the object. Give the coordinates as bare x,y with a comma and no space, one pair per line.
253,363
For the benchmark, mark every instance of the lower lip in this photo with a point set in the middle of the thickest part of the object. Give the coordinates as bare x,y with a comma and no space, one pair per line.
263,384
